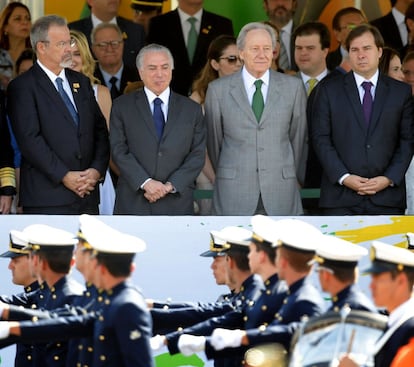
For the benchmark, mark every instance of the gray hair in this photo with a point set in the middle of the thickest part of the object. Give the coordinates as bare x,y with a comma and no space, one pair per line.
40,28
153,47
241,39
105,25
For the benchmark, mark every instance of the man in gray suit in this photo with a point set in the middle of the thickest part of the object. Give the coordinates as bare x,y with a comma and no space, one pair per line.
157,141
256,132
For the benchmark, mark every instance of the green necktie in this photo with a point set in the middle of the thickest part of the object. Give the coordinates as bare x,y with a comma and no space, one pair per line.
258,102
311,84
192,39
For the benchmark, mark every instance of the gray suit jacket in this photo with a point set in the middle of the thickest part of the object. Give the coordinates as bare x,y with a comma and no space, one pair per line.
252,158
177,158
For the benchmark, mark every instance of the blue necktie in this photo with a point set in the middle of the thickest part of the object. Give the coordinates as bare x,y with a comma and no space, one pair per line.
367,101
67,101
158,117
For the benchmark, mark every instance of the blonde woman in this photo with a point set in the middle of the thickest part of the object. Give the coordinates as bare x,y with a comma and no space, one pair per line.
83,62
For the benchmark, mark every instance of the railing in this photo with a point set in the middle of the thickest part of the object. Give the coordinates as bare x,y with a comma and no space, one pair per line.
304,193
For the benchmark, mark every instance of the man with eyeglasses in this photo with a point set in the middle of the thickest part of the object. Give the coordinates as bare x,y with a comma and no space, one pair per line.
59,128
108,46
106,11
342,23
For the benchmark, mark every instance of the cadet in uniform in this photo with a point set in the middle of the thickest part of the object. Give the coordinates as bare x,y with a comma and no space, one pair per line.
122,327
296,244
337,262
21,275
392,273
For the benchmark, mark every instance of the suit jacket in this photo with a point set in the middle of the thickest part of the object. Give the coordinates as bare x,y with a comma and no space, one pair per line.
129,75
177,158
50,142
134,36
334,59
389,30
166,30
252,158
344,144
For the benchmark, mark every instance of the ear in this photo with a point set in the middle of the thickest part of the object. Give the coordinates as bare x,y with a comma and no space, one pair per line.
133,266
215,65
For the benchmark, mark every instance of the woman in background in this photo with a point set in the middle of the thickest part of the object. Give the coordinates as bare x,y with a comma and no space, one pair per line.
83,62
222,59
390,64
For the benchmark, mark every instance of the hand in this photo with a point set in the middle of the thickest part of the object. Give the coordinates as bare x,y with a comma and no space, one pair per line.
374,185
4,329
154,190
190,344
87,181
224,338
355,183
346,361
157,342
5,204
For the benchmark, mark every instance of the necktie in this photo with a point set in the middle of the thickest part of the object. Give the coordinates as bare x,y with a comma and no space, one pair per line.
114,89
283,61
258,102
67,101
158,117
311,84
367,101
192,39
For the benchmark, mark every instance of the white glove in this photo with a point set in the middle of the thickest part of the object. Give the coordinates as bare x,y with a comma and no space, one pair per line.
157,342
4,329
190,344
225,338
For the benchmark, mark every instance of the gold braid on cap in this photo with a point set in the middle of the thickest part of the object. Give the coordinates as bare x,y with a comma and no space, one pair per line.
34,247
17,250
318,259
372,253
258,238
400,267
85,243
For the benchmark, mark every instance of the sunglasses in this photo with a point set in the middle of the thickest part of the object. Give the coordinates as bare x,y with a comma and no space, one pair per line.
231,59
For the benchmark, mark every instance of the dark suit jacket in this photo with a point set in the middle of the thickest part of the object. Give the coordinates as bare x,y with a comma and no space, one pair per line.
129,75
333,59
166,30
50,142
134,36
389,30
177,158
344,144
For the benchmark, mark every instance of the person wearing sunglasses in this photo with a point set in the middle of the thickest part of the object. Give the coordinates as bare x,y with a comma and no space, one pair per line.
222,59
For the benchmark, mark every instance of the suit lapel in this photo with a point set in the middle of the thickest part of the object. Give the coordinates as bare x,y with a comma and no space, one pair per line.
144,110
381,92
274,92
351,91
238,92
77,93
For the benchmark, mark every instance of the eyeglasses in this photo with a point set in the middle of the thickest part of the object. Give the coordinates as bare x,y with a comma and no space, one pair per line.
349,27
62,44
105,44
231,59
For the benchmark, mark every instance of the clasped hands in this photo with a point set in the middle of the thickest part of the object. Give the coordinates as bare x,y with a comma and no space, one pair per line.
190,344
81,183
366,186
156,190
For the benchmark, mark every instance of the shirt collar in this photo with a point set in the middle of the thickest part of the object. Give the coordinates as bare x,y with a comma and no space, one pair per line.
288,27
51,75
319,77
400,311
96,21
164,96
249,79
359,79
398,16
184,16
108,76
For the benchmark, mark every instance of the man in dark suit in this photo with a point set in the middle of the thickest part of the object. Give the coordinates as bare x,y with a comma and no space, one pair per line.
362,132
392,25
342,23
157,141
108,45
59,128
172,30
107,11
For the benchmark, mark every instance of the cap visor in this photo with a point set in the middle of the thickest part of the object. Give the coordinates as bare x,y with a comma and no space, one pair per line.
10,254
377,269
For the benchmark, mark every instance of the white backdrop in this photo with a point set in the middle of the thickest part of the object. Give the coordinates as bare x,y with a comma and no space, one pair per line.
171,266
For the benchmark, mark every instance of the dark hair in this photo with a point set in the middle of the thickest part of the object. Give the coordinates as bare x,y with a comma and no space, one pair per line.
345,11
208,74
27,54
298,260
409,13
59,260
269,251
344,275
408,57
310,28
360,30
118,265
4,20
388,54
239,255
